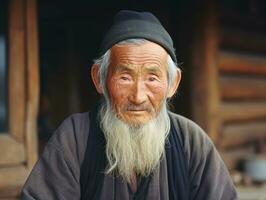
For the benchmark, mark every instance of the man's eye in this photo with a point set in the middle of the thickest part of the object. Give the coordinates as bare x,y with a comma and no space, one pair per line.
125,78
152,78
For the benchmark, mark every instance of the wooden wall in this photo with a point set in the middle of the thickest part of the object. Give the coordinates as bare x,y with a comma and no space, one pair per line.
242,81
229,81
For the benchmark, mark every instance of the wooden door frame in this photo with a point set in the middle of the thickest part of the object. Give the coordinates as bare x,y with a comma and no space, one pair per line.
19,144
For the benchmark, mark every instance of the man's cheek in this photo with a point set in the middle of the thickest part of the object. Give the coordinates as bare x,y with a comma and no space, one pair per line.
119,101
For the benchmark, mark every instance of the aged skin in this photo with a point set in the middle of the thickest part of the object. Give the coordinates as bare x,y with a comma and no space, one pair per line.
137,81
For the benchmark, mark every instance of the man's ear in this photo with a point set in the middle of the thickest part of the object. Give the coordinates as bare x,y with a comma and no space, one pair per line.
175,84
95,78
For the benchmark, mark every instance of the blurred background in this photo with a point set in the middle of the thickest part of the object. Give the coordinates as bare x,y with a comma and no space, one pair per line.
47,48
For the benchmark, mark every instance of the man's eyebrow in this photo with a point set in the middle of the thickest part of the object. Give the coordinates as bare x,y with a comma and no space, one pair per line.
123,68
148,68
153,69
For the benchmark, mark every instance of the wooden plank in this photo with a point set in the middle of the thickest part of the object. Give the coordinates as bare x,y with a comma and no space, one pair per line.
9,193
243,40
12,152
205,96
242,111
33,82
16,70
244,88
11,180
240,134
243,21
240,63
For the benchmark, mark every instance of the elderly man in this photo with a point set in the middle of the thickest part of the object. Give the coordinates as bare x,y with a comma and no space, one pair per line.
130,146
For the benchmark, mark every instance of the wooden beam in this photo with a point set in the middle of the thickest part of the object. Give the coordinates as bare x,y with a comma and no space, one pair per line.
243,40
11,180
242,88
16,70
12,152
230,62
205,93
240,134
33,82
242,21
242,111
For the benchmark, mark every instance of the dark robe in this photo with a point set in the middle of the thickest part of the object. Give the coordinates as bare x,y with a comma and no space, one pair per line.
56,176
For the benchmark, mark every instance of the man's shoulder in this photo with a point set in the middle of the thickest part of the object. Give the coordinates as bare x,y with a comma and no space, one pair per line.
75,125
71,135
72,126
196,141
185,123
75,119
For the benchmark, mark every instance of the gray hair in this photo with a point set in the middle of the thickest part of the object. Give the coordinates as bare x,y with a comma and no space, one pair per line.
104,61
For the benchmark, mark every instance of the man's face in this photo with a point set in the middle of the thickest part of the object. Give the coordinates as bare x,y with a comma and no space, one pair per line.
137,81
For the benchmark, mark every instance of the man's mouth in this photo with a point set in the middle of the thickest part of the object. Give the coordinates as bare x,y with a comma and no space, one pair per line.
138,109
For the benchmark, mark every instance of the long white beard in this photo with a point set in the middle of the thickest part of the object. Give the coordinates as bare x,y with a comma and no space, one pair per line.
133,149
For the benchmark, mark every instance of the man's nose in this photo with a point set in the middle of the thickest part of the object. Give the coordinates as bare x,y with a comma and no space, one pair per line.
138,93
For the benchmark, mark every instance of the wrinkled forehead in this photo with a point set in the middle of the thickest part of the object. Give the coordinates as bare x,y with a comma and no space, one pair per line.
147,53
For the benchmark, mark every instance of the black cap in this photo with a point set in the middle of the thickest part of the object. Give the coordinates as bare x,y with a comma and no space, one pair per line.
129,24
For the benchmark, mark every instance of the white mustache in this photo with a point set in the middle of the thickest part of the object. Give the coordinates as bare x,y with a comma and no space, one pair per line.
143,107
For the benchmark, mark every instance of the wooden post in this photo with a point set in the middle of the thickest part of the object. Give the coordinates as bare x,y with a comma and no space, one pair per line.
205,90
32,102
16,69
